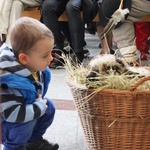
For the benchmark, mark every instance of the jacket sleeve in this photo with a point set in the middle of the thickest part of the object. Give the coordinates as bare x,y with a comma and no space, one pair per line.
14,110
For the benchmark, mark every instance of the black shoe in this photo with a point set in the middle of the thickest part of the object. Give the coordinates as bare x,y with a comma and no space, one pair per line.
69,50
57,63
86,52
100,46
91,28
41,144
112,51
77,58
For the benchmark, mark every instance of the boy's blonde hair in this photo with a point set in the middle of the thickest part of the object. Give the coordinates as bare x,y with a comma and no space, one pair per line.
26,32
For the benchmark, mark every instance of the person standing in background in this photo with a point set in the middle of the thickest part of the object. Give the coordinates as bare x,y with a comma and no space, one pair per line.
106,42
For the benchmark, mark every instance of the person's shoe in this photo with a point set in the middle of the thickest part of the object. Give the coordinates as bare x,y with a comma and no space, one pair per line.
91,28
90,31
67,49
77,58
100,46
57,63
86,52
112,51
41,144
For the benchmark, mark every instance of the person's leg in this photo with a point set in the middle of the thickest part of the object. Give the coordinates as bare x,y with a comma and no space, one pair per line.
36,139
43,122
51,10
76,27
5,8
106,43
16,135
69,49
65,29
124,35
15,13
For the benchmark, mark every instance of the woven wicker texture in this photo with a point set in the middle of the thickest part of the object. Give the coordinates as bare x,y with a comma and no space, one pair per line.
114,119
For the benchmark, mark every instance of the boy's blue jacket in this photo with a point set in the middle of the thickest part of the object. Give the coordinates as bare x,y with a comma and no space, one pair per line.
19,90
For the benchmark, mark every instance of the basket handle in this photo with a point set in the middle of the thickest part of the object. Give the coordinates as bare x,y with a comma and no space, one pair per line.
139,82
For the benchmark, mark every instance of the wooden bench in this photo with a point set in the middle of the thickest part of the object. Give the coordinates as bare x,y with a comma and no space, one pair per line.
34,12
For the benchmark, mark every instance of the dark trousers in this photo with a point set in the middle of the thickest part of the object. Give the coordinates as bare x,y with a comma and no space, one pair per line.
76,24
51,10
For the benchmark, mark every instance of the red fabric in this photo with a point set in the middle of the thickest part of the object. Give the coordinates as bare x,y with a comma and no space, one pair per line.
142,32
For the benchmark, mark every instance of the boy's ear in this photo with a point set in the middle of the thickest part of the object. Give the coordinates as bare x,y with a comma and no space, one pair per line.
22,58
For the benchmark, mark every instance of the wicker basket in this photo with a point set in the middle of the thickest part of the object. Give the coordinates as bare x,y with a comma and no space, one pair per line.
114,119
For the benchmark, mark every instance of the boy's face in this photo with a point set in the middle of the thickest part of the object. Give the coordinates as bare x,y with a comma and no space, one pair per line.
40,55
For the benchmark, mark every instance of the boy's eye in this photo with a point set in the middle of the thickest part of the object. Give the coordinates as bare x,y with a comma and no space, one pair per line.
45,56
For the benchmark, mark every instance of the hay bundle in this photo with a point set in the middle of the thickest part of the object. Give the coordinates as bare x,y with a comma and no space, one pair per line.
107,72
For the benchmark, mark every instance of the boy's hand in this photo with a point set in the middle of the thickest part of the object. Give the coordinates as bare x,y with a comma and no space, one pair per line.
45,101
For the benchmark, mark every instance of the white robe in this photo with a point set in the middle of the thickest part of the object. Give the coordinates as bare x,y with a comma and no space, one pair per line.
10,11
